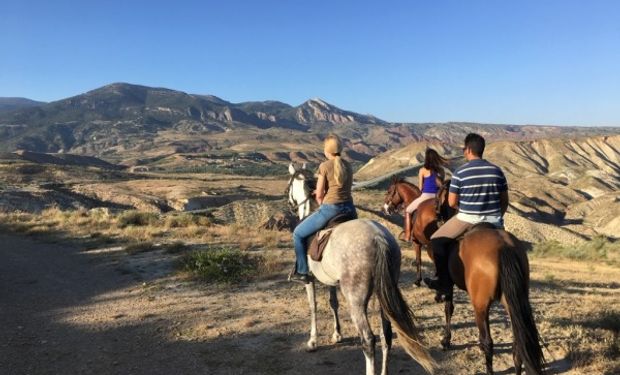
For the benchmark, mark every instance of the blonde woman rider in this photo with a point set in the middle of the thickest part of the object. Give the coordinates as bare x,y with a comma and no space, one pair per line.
333,193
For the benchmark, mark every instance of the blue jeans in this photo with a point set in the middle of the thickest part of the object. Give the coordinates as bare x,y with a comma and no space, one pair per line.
311,225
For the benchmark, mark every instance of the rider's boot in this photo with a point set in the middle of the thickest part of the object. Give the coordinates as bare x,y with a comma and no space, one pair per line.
441,254
303,278
407,233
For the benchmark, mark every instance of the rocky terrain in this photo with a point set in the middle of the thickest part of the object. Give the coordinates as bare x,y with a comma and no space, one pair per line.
565,189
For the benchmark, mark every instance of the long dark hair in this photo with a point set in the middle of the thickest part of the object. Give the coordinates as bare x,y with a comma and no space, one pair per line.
433,162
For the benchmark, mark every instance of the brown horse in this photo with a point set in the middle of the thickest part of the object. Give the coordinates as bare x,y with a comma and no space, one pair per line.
402,193
491,265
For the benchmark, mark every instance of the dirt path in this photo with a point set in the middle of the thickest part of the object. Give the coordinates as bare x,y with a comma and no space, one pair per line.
65,310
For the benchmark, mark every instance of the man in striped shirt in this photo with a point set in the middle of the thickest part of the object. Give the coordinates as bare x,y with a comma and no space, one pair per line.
480,192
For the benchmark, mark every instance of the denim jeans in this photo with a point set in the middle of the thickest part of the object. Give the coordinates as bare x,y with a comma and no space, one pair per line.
311,225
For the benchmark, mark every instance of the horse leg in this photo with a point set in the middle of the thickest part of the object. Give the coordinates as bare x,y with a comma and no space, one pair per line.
486,342
312,343
386,342
333,303
447,333
360,319
358,295
418,262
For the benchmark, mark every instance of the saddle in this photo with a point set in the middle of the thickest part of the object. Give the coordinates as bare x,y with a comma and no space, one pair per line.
476,227
319,240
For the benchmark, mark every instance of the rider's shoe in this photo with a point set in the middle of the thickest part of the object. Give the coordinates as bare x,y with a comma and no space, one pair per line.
300,278
444,290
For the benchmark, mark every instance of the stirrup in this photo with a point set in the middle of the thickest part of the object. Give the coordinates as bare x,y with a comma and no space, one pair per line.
300,278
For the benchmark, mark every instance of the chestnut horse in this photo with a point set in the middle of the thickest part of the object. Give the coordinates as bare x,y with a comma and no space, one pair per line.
402,193
491,265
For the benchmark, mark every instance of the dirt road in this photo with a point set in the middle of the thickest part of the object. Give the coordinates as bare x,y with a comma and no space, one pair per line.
65,310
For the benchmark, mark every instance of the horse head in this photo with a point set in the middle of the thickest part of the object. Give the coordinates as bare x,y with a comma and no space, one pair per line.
299,191
392,198
399,192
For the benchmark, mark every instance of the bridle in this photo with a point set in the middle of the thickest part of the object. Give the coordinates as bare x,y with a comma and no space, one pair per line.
292,203
389,198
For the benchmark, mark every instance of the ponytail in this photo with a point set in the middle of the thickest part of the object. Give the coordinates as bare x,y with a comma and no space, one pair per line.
339,170
333,146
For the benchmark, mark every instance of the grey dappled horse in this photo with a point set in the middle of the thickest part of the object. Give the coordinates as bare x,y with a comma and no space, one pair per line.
363,258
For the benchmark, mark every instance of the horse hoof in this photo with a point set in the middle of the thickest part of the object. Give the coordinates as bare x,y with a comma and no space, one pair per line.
417,283
311,346
336,338
445,344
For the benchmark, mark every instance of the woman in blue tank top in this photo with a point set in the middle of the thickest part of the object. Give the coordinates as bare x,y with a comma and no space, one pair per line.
430,178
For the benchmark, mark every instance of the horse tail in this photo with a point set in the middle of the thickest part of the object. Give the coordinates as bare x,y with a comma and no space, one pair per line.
394,306
514,284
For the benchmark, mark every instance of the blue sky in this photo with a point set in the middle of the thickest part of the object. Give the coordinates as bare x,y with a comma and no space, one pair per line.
518,62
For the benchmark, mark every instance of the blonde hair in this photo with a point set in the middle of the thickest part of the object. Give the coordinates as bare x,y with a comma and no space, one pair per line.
333,146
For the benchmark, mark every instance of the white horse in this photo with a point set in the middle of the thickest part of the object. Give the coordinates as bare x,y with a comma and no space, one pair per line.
363,258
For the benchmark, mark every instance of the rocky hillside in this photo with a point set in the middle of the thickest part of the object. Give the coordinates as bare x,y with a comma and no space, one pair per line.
571,184
122,122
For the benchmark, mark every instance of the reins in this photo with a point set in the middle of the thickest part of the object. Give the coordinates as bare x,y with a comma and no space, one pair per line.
294,205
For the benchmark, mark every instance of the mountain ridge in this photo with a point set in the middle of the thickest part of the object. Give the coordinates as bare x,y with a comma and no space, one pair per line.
122,120
14,103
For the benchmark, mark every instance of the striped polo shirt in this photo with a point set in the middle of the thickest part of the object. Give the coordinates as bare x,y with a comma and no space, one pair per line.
479,184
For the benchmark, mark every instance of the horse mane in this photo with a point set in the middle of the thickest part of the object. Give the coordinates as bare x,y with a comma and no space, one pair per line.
401,180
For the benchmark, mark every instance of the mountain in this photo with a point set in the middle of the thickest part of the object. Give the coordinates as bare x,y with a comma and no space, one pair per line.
122,121
11,104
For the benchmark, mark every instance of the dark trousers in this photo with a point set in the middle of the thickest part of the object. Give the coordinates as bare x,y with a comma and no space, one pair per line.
442,247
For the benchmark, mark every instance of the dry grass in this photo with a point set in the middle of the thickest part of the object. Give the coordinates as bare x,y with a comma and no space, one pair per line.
100,226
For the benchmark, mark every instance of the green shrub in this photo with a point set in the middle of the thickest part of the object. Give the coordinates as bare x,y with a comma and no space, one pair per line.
185,220
28,169
599,248
222,265
136,218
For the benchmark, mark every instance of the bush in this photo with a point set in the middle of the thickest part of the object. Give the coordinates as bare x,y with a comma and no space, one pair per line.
29,169
222,265
599,248
185,220
136,218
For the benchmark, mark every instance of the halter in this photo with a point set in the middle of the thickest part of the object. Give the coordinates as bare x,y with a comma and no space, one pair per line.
391,198
395,192
309,178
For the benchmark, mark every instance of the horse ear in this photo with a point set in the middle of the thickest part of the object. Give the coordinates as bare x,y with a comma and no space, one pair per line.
291,168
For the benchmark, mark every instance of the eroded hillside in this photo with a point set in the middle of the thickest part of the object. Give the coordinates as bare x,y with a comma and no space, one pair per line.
559,188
